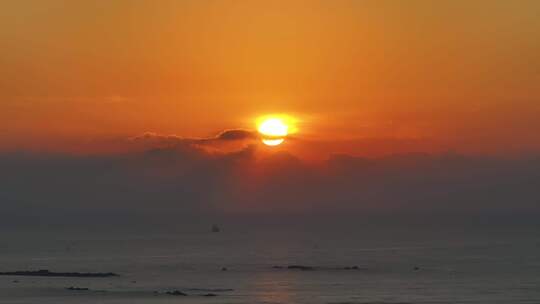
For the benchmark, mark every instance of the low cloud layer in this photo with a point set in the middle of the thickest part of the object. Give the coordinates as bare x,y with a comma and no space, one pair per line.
184,181
150,140
225,135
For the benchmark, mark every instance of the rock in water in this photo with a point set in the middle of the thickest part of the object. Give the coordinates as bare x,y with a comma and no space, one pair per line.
77,288
47,273
176,293
300,267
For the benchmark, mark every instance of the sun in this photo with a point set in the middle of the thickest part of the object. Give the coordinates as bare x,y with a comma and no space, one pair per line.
274,129
273,142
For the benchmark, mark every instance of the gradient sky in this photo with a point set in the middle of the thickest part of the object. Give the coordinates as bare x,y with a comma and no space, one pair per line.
362,77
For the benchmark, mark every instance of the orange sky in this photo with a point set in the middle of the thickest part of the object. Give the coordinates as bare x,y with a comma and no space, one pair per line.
431,75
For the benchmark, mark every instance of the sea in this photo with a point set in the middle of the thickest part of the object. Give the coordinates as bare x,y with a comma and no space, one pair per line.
249,264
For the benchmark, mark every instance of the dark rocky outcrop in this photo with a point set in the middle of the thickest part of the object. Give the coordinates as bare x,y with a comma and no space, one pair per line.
200,292
47,273
300,267
351,268
309,268
176,293
211,289
77,288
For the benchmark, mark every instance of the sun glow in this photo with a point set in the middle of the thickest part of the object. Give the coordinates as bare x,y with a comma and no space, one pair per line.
274,129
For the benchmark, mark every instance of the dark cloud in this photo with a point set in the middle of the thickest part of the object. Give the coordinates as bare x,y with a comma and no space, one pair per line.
152,136
238,138
157,139
236,134
226,135
184,182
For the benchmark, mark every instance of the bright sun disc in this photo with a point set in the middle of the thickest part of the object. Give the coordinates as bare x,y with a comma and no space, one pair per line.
274,127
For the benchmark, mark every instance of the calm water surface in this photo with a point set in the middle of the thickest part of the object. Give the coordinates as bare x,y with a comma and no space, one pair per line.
450,268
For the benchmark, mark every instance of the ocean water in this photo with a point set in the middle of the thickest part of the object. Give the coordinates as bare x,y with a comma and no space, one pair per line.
426,267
